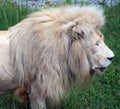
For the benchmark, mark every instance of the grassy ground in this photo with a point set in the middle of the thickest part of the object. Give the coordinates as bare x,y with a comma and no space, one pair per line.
104,92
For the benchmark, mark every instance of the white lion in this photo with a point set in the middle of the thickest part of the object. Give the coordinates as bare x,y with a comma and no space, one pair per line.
50,51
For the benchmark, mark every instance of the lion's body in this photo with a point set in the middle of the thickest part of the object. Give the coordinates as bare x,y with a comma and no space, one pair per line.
6,77
48,55
4,46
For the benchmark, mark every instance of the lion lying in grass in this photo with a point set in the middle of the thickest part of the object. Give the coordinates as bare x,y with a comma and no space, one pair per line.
50,51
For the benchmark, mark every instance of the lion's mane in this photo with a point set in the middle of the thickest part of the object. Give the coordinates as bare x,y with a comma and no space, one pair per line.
42,53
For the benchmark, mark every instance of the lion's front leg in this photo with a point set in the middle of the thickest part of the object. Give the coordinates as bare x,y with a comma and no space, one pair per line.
37,101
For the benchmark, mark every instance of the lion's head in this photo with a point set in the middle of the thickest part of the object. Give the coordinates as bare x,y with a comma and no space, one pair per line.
51,49
90,42
99,55
87,51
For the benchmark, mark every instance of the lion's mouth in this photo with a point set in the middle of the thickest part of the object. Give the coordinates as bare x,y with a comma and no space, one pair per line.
100,69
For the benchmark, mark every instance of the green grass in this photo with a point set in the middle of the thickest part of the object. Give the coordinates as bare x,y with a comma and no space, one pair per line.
10,14
104,91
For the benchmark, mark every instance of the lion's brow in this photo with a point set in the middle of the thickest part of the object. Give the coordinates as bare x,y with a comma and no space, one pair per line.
99,33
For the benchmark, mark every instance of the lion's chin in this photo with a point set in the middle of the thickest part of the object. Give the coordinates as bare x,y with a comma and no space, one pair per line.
100,69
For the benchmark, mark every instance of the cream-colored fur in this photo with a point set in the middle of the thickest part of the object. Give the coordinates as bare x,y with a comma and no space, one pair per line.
7,84
52,50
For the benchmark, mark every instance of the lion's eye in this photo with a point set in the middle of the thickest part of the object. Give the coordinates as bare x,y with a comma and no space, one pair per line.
98,44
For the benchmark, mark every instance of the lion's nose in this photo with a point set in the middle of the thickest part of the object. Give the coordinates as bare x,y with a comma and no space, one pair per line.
110,58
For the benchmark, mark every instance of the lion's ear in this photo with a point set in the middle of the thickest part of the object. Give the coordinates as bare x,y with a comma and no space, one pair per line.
77,34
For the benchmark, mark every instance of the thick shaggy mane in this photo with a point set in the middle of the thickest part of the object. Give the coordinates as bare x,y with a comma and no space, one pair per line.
85,15
41,52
